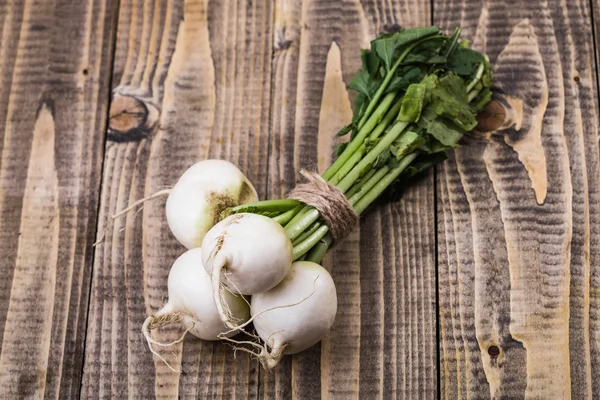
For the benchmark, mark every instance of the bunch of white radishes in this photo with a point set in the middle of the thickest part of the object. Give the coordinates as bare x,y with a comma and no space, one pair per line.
238,270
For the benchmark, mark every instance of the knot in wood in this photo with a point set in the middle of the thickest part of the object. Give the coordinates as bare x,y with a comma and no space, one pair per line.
331,203
491,117
128,119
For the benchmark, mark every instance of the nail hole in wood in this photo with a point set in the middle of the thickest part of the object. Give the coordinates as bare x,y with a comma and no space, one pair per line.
85,71
577,79
494,351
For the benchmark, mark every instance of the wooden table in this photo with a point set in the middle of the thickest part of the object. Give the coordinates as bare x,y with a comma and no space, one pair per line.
482,281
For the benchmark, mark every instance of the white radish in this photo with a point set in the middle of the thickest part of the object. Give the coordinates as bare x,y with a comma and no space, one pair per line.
191,303
297,313
202,192
248,254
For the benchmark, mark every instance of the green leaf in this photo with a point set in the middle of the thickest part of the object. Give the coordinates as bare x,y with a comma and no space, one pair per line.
371,143
445,131
406,143
464,61
406,76
486,79
360,104
423,163
382,159
413,102
339,149
427,52
385,49
346,129
386,46
361,82
452,42
449,99
370,61
416,98
425,58
482,99
412,35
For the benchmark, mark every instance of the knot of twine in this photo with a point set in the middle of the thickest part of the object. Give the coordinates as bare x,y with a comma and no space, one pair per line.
331,203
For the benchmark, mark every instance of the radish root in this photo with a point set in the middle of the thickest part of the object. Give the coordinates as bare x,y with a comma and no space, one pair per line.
160,193
219,288
156,322
219,295
240,327
268,359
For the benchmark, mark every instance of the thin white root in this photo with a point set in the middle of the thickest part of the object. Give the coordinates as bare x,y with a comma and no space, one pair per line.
253,354
241,326
270,359
241,342
246,301
236,288
160,193
219,297
153,322
101,238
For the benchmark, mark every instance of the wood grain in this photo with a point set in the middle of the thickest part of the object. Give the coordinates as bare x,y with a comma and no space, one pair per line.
263,84
382,344
191,81
518,232
54,67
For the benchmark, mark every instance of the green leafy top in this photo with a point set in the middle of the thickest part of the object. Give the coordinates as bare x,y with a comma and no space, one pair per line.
441,83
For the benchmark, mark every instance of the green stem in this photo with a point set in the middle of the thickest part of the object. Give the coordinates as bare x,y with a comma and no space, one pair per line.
309,243
368,184
295,228
388,78
311,229
368,121
355,143
383,184
357,186
347,167
387,120
298,215
308,216
266,206
472,94
318,251
452,45
477,77
288,215
370,158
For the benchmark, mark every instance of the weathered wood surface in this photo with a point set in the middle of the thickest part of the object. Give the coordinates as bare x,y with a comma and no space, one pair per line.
519,212
214,99
508,306
191,81
55,64
383,342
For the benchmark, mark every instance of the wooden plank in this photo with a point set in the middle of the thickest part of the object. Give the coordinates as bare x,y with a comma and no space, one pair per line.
596,27
54,71
383,342
192,81
519,210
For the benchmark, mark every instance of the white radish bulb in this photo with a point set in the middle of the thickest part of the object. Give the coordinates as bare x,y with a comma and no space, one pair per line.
191,301
248,254
201,194
297,313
